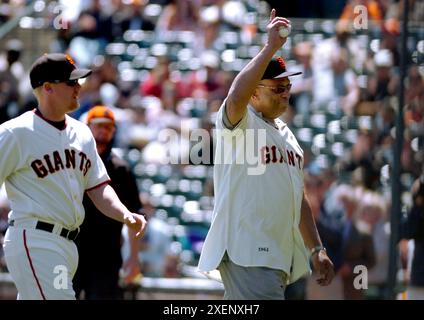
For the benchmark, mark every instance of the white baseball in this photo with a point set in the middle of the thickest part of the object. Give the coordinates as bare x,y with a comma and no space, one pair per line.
284,31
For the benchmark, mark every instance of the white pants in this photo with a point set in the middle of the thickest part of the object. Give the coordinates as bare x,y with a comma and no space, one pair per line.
42,264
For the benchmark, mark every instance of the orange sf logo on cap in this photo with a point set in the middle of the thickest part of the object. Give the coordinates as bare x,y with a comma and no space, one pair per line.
282,63
69,58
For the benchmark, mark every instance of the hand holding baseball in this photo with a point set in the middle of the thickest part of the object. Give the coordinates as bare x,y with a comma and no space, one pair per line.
284,31
274,27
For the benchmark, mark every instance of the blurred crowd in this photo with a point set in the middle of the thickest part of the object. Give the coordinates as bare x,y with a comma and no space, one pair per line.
168,64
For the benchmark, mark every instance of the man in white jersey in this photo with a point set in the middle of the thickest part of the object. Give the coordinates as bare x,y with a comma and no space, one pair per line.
48,161
262,221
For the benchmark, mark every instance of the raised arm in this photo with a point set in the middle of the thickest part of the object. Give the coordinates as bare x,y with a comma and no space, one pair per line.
246,81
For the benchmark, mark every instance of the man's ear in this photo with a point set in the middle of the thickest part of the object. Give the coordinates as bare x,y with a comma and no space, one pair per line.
255,95
47,86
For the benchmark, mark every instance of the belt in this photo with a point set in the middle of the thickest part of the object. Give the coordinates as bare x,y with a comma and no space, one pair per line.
68,234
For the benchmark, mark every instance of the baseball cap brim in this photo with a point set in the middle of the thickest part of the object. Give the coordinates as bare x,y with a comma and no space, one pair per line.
287,74
101,120
79,74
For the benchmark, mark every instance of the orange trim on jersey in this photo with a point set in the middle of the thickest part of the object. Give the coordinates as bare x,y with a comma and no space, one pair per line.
99,185
32,267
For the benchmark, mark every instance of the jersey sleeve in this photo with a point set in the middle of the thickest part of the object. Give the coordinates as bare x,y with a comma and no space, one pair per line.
222,121
9,155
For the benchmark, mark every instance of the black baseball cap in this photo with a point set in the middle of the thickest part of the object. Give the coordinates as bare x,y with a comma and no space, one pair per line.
277,69
55,67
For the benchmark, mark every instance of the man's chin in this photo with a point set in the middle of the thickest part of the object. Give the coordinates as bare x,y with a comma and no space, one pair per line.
283,108
74,106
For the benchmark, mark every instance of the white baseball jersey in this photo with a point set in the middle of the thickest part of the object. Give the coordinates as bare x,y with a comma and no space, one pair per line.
46,171
256,217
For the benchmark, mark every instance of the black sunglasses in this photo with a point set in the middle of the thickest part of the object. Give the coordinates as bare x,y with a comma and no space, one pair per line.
278,89
71,83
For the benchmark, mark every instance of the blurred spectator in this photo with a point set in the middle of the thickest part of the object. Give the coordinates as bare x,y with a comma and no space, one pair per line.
413,228
414,100
95,22
92,32
11,8
133,18
373,7
153,85
383,83
332,212
318,180
104,71
89,93
390,41
385,121
109,95
155,246
4,12
179,15
344,37
303,85
373,211
140,128
362,160
11,72
210,27
159,83
334,79
357,242
415,14
204,82
344,82
62,41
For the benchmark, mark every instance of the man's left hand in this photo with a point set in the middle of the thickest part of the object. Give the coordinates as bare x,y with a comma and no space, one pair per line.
137,223
324,267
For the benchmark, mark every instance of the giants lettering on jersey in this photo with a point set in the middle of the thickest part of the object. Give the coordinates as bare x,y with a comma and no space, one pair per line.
273,155
51,163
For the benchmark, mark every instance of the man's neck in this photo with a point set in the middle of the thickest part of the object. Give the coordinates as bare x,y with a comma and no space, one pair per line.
61,124
50,114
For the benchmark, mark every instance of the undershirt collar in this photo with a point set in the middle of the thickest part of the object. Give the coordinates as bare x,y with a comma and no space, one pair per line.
60,125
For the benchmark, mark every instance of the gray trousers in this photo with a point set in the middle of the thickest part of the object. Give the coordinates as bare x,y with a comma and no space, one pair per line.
251,283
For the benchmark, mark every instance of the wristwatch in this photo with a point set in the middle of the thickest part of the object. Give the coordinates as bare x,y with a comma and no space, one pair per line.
317,249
